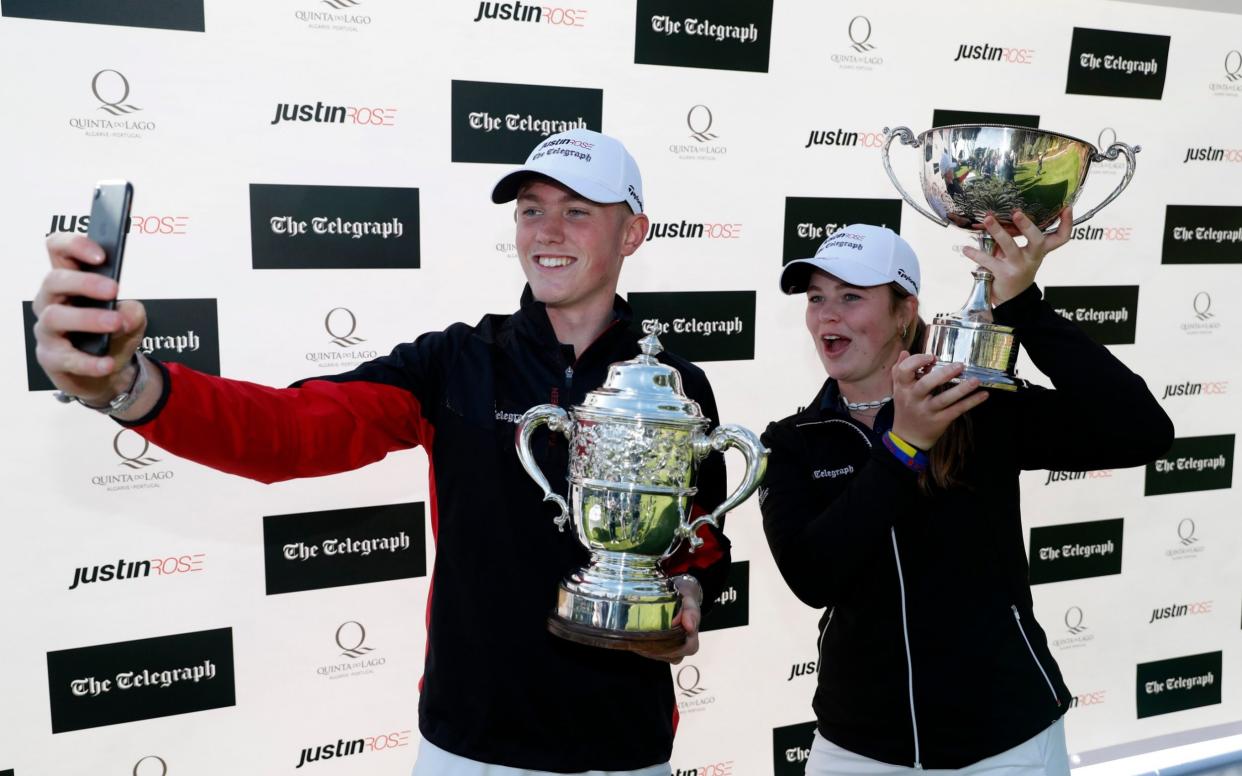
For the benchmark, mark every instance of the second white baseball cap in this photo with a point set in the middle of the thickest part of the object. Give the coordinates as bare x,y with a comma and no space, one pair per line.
861,255
594,165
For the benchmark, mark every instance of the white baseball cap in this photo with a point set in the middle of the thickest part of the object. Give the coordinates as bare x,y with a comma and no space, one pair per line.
595,166
861,255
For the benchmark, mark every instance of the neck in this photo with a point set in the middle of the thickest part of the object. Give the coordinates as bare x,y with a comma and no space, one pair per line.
872,389
581,324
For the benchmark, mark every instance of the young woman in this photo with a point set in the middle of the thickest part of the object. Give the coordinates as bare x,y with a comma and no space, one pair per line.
892,504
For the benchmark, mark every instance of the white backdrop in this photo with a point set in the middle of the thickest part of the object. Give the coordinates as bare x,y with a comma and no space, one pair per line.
203,134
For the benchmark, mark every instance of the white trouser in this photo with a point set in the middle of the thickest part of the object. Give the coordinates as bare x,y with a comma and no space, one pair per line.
1045,753
434,761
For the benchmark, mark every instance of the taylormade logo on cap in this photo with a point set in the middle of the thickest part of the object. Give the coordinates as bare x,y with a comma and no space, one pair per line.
593,165
861,255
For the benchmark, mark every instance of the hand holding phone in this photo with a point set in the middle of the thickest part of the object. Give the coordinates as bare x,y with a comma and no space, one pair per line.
109,223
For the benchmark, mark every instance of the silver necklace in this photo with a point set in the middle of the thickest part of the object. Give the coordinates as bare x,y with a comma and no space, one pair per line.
865,405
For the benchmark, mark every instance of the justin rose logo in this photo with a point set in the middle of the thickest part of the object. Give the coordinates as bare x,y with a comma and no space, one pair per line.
335,114
845,138
699,230
859,32
343,748
1211,388
722,768
533,14
1180,610
111,89
1093,698
1098,474
987,52
1104,233
164,566
145,225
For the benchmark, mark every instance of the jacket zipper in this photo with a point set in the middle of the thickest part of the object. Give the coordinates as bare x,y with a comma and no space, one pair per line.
823,635
905,632
1018,619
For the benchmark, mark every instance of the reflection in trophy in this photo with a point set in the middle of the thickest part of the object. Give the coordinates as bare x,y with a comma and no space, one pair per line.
635,443
972,170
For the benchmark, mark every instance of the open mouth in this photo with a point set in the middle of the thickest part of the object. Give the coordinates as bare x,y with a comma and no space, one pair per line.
835,345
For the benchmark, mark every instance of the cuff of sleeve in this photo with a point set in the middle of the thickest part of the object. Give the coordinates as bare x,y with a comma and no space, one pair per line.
159,405
1022,309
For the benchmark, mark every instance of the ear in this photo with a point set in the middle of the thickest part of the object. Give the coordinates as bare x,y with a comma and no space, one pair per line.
634,232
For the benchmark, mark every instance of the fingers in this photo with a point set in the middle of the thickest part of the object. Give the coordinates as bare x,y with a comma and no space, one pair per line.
953,395
1065,230
64,282
987,261
1034,237
61,357
58,319
961,407
67,250
906,370
1004,243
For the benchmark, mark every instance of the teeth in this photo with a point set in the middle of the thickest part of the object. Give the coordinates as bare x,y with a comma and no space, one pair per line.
554,261
832,338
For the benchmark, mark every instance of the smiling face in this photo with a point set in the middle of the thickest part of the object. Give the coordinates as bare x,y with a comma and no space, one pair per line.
857,332
571,248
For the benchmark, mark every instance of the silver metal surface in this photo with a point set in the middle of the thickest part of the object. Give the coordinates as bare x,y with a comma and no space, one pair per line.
971,171
634,447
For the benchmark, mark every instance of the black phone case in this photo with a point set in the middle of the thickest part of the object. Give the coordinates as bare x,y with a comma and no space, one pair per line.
109,222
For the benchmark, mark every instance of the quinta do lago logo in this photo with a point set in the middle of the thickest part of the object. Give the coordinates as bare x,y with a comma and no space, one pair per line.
1203,321
861,54
700,142
1229,82
115,115
137,468
692,696
360,658
1188,545
347,348
334,16
1077,632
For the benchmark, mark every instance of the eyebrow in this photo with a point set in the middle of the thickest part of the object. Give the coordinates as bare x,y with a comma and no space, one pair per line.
840,283
563,198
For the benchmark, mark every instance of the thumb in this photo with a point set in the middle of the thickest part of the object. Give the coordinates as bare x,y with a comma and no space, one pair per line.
690,616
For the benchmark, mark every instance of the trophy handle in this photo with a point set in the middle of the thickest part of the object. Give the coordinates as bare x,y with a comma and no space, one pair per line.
907,138
1112,153
556,419
722,438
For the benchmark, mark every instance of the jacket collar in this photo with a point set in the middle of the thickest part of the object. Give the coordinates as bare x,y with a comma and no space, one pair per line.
531,325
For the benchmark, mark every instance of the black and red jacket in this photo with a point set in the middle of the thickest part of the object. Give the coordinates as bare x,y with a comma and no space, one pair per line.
497,686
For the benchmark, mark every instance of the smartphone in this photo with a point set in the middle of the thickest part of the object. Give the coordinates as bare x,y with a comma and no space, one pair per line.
109,222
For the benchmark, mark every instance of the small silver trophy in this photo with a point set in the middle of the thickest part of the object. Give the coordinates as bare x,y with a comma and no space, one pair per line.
972,170
634,446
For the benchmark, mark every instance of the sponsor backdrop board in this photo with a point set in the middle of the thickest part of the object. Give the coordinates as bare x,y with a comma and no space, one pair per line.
312,187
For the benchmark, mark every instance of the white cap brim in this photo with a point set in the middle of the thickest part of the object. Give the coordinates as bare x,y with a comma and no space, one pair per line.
506,189
797,273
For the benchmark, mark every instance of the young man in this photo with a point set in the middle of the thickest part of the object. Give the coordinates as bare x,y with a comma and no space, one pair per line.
498,689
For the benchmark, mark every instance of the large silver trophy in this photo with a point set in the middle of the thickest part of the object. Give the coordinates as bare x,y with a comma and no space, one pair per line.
972,170
634,447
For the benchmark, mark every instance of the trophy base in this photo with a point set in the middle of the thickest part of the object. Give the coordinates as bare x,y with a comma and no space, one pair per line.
988,350
656,642
619,601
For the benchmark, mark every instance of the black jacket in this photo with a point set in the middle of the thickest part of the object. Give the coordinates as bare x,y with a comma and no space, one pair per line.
497,686
930,654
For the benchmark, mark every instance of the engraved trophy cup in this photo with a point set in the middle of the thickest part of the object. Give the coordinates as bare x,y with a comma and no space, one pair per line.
634,446
971,170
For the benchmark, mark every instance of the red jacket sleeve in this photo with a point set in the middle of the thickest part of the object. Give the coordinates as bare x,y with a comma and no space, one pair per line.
274,434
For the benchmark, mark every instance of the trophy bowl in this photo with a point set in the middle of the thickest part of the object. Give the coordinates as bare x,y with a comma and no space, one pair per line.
635,444
971,171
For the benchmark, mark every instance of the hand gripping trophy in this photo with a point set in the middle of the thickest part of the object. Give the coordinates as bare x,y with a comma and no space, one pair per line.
972,170
634,445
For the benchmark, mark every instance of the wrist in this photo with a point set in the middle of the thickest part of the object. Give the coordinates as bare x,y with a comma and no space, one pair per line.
911,456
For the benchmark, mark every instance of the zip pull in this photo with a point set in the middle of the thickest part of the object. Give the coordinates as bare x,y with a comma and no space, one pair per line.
569,376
